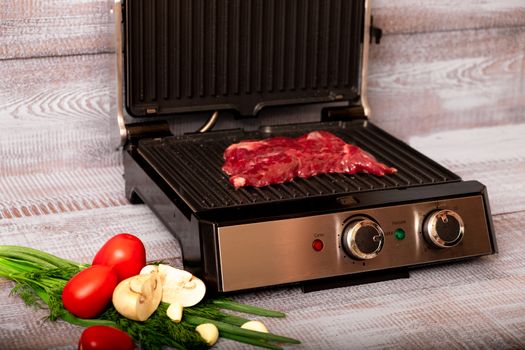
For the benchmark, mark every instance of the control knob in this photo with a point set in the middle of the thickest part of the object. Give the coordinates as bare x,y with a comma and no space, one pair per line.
443,228
363,238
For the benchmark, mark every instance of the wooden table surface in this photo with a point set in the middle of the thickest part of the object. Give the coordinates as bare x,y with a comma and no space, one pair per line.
448,78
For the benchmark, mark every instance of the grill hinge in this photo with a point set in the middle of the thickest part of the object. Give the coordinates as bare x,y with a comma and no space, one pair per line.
376,33
343,113
138,131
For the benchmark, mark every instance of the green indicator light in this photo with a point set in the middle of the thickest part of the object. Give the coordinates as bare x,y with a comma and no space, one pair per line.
399,234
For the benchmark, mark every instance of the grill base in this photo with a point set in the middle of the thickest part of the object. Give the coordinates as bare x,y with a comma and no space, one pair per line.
220,229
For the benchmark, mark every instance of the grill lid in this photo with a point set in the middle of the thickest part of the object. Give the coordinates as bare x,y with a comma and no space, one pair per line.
240,55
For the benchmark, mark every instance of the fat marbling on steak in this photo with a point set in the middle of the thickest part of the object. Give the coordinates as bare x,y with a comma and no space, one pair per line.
281,159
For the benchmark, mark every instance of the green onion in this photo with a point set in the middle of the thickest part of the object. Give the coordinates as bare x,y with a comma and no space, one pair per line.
37,256
251,341
207,310
248,309
225,327
11,265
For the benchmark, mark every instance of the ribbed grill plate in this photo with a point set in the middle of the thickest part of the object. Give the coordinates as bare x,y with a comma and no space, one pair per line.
191,165
195,55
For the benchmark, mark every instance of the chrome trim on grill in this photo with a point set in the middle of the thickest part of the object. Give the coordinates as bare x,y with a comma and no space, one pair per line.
364,69
120,73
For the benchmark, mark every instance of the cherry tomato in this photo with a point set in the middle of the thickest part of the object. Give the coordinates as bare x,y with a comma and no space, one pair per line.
105,338
125,253
88,293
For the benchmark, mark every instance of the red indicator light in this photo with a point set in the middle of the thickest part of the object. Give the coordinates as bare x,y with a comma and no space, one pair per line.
318,245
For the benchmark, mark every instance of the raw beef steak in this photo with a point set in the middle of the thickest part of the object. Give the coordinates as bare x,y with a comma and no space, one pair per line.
280,159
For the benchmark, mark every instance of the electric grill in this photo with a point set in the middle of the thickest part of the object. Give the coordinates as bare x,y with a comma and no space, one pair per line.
180,60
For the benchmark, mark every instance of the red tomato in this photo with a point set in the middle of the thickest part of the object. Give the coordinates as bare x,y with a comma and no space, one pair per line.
105,338
125,253
88,293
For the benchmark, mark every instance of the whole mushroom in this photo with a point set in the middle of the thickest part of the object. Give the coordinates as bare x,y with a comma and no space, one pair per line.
138,297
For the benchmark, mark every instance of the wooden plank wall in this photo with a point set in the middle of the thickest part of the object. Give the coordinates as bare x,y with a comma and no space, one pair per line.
448,64
441,65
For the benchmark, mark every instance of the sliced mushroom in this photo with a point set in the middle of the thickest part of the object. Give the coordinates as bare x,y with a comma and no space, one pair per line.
178,286
138,297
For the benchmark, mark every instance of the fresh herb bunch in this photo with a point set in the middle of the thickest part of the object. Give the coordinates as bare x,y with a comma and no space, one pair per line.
40,278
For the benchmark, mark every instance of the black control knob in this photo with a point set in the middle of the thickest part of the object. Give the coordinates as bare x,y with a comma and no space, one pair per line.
363,238
443,228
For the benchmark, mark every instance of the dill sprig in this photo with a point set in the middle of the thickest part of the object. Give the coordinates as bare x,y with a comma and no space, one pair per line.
40,278
28,296
176,335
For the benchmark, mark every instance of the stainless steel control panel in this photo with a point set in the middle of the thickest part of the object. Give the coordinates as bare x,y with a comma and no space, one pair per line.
313,247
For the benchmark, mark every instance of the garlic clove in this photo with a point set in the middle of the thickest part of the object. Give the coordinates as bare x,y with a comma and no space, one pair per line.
209,332
138,297
174,312
257,326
